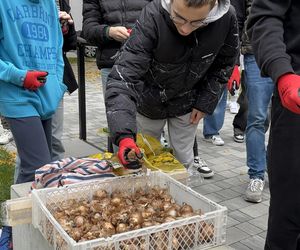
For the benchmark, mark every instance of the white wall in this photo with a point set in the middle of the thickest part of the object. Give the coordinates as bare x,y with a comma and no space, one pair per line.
76,10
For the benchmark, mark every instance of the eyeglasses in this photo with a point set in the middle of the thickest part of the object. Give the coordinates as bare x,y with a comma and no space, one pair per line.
181,21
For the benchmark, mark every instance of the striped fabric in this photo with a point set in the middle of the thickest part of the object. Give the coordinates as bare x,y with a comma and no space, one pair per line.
71,170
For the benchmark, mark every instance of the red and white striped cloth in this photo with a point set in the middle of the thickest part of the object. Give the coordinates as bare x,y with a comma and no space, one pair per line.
71,170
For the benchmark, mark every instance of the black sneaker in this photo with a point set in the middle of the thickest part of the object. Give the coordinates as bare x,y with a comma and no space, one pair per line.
202,168
238,135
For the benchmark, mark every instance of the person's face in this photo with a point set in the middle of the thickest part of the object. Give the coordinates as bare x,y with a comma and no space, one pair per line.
188,19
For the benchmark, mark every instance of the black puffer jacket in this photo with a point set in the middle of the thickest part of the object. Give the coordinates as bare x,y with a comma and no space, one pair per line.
98,15
243,8
162,74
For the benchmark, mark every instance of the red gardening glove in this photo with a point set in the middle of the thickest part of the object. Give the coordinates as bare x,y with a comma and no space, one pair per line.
129,154
234,81
289,92
35,79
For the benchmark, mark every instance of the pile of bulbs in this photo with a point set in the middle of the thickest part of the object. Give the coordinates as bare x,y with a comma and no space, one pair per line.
118,212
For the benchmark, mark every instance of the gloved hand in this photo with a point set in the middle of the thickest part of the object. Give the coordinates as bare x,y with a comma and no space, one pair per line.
129,154
289,92
234,81
35,79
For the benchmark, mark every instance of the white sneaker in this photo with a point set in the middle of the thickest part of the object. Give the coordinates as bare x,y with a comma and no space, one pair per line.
202,167
234,107
164,142
254,190
215,139
5,137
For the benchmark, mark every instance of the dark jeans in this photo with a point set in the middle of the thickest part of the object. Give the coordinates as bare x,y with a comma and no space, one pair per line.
284,179
33,140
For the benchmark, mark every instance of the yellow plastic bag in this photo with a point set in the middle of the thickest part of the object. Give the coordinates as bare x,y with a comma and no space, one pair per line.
157,157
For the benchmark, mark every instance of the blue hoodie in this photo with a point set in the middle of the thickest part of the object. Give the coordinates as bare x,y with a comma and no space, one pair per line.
30,39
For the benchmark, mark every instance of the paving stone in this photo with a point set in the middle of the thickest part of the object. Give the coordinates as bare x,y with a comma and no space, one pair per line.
238,215
261,222
240,246
255,242
255,210
234,235
249,228
235,203
228,173
228,193
208,188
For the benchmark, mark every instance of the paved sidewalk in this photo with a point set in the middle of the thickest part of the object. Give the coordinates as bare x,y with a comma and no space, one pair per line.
247,222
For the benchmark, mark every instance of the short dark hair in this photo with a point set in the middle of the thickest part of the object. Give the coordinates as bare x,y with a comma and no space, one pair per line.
199,3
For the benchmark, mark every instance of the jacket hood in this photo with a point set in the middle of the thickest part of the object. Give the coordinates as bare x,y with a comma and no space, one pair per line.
221,8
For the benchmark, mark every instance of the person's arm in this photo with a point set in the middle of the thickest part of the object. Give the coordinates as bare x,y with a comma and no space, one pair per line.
8,72
265,28
126,79
219,72
240,9
93,28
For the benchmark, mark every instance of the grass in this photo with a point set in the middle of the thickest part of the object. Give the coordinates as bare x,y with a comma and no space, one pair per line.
7,168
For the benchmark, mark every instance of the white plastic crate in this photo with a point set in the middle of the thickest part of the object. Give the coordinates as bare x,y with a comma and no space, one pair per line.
187,233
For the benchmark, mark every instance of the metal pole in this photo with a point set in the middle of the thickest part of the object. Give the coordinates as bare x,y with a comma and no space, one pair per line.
81,88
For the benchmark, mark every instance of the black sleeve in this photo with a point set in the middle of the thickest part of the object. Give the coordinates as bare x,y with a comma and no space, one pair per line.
93,26
70,39
220,71
265,28
240,9
126,79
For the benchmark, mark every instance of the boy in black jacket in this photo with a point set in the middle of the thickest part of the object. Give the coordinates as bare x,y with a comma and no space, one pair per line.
275,35
171,70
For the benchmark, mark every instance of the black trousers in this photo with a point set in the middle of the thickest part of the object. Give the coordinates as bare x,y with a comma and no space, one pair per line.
284,177
240,119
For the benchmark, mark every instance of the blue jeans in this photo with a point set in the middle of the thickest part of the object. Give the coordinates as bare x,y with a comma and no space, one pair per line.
212,124
104,75
259,92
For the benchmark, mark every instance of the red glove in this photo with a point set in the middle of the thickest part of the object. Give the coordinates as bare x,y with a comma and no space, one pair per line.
289,92
129,154
34,79
234,81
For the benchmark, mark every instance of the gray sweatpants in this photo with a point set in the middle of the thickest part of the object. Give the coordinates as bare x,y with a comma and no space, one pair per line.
181,134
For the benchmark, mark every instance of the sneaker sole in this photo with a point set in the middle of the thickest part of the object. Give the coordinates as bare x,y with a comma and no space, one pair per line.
238,140
252,200
208,175
216,144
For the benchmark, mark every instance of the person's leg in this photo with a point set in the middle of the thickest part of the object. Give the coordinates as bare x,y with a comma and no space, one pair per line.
259,92
148,126
182,137
212,124
58,150
32,137
199,164
284,175
240,119
104,75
